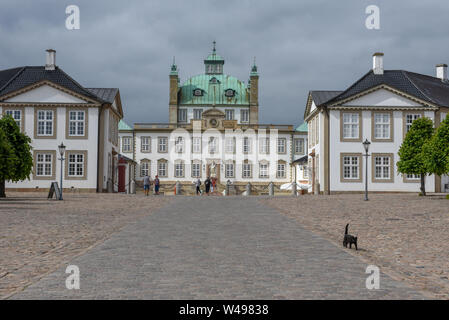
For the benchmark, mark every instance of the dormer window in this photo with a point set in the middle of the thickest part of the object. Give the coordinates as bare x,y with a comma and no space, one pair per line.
214,80
197,92
229,93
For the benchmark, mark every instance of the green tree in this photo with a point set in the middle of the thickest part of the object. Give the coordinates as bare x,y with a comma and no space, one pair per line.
436,151
412,160
16,161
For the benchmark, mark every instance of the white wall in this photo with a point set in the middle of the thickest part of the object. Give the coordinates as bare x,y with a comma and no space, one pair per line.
45,93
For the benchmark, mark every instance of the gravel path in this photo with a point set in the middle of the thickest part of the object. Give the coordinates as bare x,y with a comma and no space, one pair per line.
217,248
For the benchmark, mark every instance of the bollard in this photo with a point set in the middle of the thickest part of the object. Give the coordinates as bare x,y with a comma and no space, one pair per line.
178,188
132,187
317,188
248,189
294,189
271,189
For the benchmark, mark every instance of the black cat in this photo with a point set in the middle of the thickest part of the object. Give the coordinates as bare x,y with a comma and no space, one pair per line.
348,239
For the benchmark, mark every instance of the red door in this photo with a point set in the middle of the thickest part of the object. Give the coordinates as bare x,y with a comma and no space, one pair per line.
121,176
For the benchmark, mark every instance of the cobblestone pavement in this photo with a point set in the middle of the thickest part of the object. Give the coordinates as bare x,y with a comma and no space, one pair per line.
404,234
217,248
37,235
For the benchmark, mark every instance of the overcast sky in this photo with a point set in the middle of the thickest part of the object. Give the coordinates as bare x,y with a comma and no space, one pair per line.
300,45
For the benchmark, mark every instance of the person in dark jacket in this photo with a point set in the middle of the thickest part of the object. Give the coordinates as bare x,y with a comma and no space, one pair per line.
207,184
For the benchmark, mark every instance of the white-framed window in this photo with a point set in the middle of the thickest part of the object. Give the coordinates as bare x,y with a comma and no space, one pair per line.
282,142
179,144
247,145
350,125
197,114
45,122
179,169
162,144
411,176
382,125
382,167
144,168
76,123
351,167
230,144
263,170
246,170
145,145
229,170
196,144
196,169
409,118
299,146
244,115
126,144
16,115
280,170
213,145
182,115
44,164
76,165
162,168
229,114
264,145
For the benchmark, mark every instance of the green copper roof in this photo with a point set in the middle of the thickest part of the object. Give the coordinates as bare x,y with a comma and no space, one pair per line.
122,125
214,57
214,93
302,128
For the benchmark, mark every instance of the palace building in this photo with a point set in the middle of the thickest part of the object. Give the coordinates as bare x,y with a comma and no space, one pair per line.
52,108
380,107
214,131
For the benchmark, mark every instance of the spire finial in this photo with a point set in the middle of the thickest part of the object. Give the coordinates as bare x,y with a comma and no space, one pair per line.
174,62
214,50
254,63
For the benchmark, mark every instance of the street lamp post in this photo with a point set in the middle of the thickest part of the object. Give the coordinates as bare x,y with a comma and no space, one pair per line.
366,144
61,148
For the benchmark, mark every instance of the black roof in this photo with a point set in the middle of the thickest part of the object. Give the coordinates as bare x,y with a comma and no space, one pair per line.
424,87
18,78
322,96
105,94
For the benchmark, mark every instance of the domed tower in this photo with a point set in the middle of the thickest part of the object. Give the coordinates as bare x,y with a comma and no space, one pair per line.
216,98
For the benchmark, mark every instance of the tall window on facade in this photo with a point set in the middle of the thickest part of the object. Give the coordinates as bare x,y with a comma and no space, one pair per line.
213,145
182,115
263,170
76,124
305,171
76,165
246,170
282,142
145,144
229,170
162,144
179,144
196,145
197,114
229,114
409,118
44,164
350,125
196,169
230,145
45,123
246,145
126,144
179,169
382,167
264,145
281,170
411,176
382,126
16,115
162,168
351,167
244,115
299,146
144,168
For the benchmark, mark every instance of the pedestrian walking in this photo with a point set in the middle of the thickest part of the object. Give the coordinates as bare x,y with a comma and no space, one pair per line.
207,185
198,186
156,184
146,184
